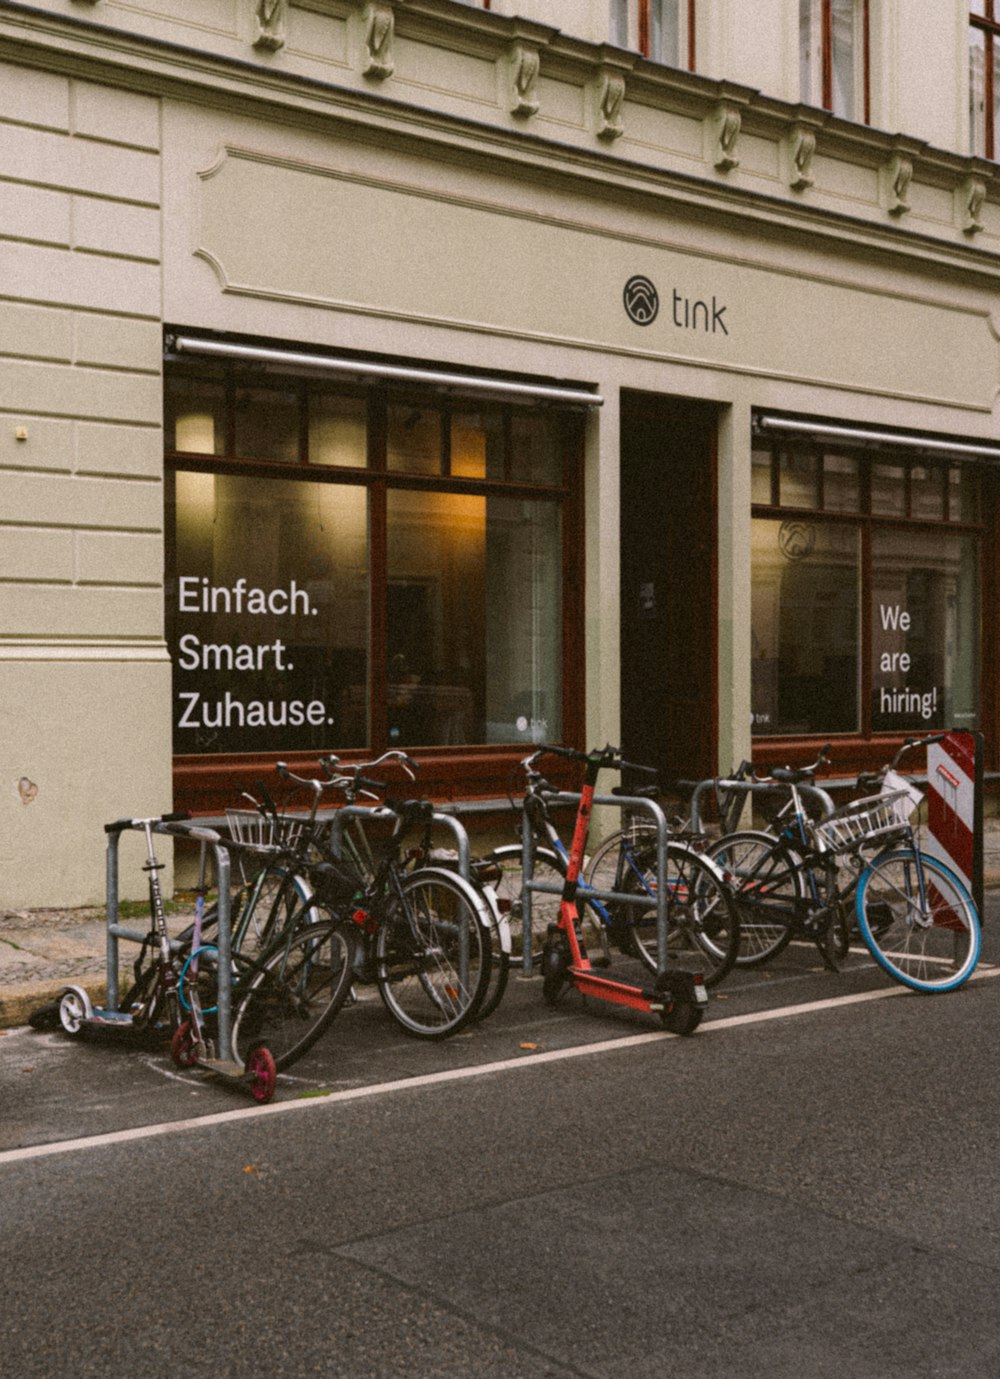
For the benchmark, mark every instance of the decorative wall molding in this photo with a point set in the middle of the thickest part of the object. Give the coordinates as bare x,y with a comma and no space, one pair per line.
800,146
269,16
523,64
724,126
897,176
610,105
970,195
379,32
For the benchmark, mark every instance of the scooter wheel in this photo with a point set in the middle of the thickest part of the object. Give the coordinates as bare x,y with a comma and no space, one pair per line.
184,1048
555,961
73,1014
682,1017
262,1073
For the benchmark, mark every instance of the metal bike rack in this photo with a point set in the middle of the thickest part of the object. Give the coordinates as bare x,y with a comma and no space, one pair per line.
819,797
562,797
116,931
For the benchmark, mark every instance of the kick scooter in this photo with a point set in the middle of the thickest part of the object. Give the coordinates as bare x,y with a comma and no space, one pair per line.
164,996
678,997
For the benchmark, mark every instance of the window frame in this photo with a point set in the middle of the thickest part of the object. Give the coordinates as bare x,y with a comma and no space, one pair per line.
869,747
825,92
208,782
639,22
988,25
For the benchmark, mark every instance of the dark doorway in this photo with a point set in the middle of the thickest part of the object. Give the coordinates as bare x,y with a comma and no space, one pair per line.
668,584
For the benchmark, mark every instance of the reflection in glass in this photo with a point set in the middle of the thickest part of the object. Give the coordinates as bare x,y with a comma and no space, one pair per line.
267,424
760,475
888,489
841,490
267,614
535,443
194,415
963,493
414,439
927,492
338,430
805,620
925,630
477,445
977,91
798,478
474,637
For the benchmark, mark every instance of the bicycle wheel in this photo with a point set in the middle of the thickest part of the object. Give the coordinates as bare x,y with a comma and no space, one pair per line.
767,888
547,870
703,933
433,953
275,902
500,952
287,999
918,921
606,871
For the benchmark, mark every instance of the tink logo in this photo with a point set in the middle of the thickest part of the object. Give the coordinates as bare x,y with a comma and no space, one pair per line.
642,301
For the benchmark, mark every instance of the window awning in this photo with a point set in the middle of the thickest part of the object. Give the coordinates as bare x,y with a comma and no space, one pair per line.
364,370
859,435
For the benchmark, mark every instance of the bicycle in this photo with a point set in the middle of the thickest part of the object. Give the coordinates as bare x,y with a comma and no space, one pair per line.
155,1003
421,935
703,927
914,915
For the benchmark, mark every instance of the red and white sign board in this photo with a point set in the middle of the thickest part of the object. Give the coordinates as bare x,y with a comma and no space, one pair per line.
955,807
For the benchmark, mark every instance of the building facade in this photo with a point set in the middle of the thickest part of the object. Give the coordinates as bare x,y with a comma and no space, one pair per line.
462,376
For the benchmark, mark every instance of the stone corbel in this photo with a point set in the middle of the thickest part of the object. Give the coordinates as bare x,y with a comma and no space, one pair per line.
523,64
897,176
610,104
801,148
269,16
970,194
379,32
724,125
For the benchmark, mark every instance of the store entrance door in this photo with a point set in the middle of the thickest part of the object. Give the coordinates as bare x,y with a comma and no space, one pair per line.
668,584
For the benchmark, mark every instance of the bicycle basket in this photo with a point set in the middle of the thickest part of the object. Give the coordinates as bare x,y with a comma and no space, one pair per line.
264,830
876,816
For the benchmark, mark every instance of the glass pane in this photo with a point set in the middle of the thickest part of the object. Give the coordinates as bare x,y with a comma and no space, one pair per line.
267,423
665,32
963,493
618,23
414,442
810,51
977,92
477,445
804,627
267,614
927,492
798,479
760,475
841,491
925,630
535,448
194,414
338,431
474,620
845,58
889,490
993,113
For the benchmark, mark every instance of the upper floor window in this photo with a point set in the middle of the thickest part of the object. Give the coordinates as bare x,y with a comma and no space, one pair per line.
833,56
984,75
662,30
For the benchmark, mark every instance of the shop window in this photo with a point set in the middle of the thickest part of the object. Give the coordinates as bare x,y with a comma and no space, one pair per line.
353,569
833,56
662,30
866,593
984,77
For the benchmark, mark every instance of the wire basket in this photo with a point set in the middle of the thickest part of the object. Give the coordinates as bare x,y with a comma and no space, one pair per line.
864,820
265,830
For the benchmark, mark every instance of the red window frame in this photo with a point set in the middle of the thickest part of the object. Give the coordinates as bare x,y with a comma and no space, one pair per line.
989,26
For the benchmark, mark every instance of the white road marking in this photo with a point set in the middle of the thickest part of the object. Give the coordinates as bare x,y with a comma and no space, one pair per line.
407,1084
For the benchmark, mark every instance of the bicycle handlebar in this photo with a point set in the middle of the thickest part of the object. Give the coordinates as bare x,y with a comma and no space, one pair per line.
120,825
609,757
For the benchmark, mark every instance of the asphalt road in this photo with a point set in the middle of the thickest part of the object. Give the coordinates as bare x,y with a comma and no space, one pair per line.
806,1187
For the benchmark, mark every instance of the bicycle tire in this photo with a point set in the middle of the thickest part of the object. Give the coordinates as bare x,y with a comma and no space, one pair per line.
703,933
768,891
433,953
547,868
292,994
500,955
929,946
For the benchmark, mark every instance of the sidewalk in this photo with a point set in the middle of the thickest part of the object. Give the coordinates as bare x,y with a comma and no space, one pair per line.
42,950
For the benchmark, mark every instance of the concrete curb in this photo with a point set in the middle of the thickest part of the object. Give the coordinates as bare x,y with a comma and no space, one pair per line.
19,1002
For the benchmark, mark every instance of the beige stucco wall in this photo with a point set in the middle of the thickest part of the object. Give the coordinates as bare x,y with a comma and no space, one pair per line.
409,216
